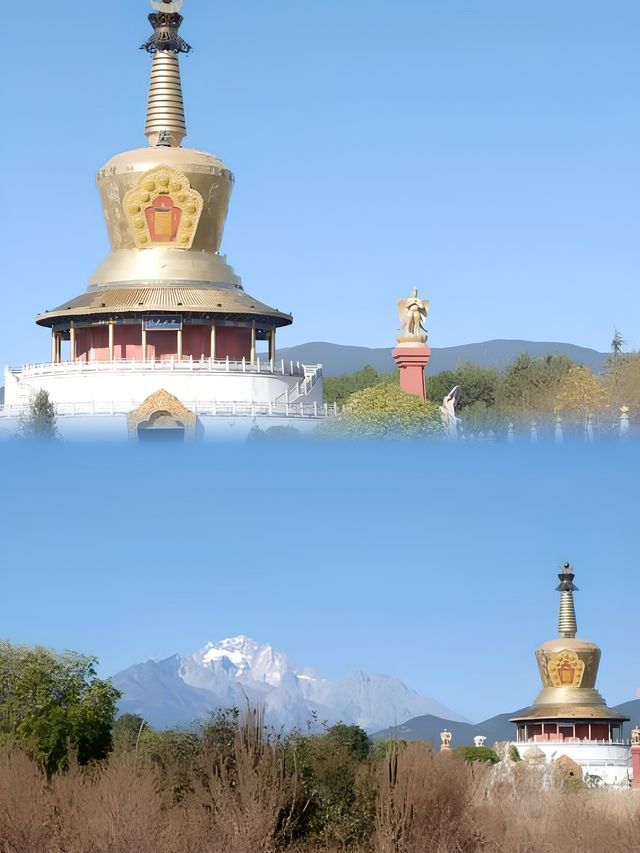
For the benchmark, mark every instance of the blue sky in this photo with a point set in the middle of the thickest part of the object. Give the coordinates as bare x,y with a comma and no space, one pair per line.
486,152
431,562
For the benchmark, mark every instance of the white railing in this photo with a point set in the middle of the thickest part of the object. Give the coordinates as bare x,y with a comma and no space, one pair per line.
207,365
571,741
215,409
312,375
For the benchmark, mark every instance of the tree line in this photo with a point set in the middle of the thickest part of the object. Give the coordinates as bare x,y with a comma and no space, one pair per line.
527,389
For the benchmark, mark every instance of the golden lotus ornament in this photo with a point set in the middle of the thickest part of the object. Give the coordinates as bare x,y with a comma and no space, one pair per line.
163,210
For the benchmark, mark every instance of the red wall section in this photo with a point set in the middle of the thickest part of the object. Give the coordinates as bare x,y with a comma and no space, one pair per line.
128,342
100,343
196,341
162,345
233,341
83,343
92,344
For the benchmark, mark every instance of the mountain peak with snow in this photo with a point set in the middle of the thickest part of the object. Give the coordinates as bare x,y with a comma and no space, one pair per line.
230,672
244,658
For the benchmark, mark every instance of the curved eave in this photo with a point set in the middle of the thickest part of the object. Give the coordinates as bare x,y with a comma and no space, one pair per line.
569,712
223,303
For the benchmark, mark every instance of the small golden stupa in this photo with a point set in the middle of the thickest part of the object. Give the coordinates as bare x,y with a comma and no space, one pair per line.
568,708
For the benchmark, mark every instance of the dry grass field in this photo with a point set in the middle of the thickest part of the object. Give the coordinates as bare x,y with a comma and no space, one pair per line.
255,793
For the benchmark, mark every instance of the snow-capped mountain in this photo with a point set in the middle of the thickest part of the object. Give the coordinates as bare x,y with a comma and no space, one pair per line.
181,689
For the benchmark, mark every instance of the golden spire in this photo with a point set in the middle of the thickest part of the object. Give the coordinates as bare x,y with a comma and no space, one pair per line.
165,124
567,625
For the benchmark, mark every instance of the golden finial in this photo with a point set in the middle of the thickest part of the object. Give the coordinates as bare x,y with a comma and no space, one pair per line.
567,625
165,125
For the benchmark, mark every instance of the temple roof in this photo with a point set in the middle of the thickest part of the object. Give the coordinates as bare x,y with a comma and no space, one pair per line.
182,299
568,712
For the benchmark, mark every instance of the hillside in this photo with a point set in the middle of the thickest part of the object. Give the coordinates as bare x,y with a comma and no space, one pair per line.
338,359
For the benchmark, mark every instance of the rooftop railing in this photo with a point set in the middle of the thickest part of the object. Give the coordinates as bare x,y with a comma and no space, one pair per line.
555,739
208,365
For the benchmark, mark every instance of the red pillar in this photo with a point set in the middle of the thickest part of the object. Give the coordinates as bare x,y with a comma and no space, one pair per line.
635,765
412,361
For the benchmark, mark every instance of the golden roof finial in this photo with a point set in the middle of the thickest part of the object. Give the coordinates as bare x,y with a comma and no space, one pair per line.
567,625
165,124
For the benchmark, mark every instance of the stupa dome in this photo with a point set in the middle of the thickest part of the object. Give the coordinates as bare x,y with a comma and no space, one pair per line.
205,173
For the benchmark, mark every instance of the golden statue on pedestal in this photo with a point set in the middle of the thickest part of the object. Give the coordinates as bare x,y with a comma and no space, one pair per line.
412,312
445,740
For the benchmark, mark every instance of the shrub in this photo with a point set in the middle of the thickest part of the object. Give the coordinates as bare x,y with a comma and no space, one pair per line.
385,411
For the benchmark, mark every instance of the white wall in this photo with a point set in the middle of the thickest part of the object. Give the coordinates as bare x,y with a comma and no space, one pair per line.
610,761
132,387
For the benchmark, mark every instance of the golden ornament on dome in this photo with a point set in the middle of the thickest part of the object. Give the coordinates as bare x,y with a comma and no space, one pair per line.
163,210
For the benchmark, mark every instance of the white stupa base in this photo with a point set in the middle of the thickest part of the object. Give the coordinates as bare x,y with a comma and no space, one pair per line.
605,760
94,399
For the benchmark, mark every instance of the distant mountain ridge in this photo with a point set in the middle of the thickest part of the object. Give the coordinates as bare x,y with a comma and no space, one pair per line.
337,359
182,688
428,727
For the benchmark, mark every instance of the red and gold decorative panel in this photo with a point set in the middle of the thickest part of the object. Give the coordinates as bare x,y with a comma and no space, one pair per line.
566,669
163,210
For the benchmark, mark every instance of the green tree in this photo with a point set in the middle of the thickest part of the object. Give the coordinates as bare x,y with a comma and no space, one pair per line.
581,392
338,388
478,753
177,754
616,344
351,738
622,381
530,385
53,704
126,732
338,805
219,733
385,411
478,385
39,421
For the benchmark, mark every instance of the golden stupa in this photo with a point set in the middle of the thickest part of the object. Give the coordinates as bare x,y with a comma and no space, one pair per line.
568,706
165,209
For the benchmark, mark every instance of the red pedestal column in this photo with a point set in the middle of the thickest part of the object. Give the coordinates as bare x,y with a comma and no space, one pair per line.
412,361
635,766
